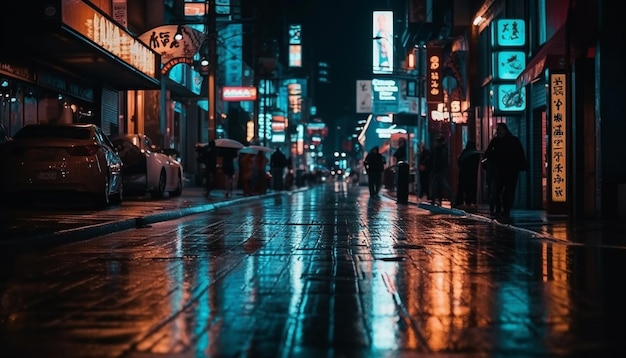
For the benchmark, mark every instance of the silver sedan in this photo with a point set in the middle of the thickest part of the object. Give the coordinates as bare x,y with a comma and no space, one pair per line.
147,169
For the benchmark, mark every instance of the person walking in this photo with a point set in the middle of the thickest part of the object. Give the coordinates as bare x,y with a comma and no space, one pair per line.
259,175
278,163
228,168
439,184
400,153
374,166
246,171
506,158
468,162
207,155
289,175
424,166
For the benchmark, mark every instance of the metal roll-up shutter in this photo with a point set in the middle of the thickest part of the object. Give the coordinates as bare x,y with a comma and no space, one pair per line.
538,93
110,111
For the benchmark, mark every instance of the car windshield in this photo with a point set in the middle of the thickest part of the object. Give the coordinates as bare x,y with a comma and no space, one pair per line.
64,132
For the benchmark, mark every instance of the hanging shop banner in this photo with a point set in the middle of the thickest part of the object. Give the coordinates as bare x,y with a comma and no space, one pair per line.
434,74
558,136
162,40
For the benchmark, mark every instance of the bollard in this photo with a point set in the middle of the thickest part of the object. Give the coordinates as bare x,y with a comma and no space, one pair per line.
402,191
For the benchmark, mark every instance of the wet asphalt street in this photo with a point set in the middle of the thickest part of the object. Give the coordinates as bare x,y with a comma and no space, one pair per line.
324,272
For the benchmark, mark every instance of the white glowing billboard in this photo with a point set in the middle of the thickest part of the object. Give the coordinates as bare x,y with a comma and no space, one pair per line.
382,38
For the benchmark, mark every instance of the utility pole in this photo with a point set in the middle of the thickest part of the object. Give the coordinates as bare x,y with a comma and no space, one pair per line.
212,82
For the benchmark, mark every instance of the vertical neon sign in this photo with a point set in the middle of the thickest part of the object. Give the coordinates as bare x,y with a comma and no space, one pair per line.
558,136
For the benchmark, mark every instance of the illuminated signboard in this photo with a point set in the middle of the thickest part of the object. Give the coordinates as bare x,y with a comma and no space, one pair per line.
508,33
235,94
294,91
172,51
508,64
382,57
232,42
434,68
119,12
558,136
109,36
295,45
386,95
509,98
364,96
441,113
195,9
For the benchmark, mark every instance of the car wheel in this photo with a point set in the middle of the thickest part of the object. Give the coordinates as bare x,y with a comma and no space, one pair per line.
102,200
160,191
179,188
118,197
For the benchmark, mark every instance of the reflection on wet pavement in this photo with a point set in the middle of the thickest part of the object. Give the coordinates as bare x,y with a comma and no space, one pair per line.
324,272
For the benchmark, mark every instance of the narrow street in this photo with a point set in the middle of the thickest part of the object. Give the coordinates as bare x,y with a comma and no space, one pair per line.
324,272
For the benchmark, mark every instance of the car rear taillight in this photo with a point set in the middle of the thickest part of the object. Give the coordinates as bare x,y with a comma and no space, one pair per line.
83,150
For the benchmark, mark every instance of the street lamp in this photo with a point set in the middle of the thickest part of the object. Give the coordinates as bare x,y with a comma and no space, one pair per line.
179,33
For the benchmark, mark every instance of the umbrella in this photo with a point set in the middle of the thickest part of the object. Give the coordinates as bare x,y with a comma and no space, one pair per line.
253,149
228,143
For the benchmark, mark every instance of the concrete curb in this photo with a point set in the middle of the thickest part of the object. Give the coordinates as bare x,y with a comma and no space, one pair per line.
459,212
45,241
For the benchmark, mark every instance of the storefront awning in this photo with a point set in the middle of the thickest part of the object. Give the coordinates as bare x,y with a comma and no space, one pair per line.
76,38
83,61
551,55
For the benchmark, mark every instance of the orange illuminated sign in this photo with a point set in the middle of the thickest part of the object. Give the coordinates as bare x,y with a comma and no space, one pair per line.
109,36
558,136
235,93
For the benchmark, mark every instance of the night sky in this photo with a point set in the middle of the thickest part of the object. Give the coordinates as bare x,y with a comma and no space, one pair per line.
337,32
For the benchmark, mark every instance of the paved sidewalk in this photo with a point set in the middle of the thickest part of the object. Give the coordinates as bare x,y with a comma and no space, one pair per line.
136,212
604,233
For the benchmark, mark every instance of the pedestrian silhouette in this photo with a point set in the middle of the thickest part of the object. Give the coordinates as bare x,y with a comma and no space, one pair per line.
374,166
278,163
505,158
400,153
439,183
425,163
207,156
467,186
228,168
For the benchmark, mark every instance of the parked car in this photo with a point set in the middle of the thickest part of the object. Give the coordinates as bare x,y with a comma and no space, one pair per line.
62,158
147,168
